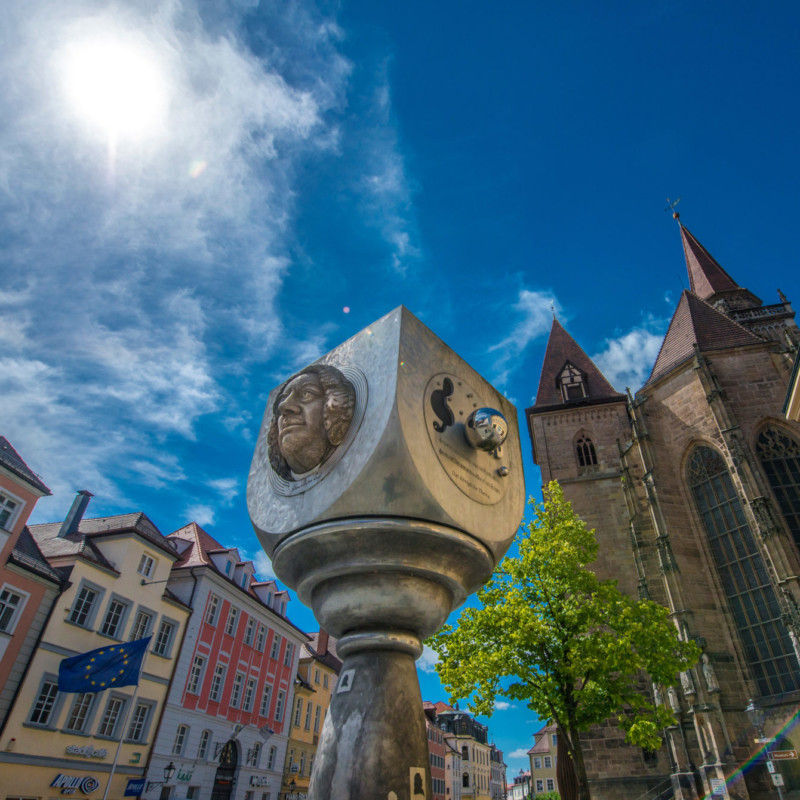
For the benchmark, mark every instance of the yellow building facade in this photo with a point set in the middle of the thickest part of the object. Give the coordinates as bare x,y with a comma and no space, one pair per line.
316,678
55,743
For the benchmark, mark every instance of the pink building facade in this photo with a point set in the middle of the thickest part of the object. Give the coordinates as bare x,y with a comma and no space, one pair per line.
28,585
226,723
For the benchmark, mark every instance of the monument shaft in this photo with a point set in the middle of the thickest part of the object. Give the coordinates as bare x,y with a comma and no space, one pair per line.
384,494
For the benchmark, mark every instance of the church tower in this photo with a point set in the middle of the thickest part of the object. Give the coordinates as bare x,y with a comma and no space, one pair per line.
693,488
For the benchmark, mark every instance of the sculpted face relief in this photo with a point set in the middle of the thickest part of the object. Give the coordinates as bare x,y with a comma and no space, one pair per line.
311,416
302,437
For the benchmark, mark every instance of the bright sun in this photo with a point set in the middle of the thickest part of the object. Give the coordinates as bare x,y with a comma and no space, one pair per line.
116,86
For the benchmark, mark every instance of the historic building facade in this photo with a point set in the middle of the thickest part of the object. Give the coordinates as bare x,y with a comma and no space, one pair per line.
115,572
28,585
544,760
316,679
469,738
436,754
226,722
693,487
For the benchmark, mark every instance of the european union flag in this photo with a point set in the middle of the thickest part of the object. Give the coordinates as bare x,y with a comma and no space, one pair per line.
104,668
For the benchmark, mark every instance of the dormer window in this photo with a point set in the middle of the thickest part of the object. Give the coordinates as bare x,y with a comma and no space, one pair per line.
571,383
227,567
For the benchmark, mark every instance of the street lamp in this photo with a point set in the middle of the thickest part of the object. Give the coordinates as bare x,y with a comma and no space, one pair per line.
757,717
290,795
169,771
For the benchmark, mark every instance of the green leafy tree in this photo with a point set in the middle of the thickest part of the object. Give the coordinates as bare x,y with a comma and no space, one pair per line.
551,633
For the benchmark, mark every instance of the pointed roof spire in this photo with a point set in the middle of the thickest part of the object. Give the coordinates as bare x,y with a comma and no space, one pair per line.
706,276
696,323
561,350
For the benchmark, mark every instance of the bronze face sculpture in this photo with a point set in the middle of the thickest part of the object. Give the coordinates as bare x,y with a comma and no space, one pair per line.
310,418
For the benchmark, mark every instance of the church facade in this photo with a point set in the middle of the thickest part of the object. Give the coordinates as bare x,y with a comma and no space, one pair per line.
692,484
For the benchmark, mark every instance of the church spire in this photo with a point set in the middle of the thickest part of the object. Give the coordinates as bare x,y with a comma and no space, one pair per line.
569,375
706,276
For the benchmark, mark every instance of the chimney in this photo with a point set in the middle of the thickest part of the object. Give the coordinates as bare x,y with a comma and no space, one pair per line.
322,642
70,524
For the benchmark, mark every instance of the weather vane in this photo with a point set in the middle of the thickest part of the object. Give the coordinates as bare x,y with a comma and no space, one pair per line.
671,207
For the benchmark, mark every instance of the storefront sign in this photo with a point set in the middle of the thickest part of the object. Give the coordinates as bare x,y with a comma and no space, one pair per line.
134,788
184,775
260,780
70,783
88,751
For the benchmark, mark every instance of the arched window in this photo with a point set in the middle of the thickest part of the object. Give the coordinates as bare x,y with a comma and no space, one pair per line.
465,780
254,754
180,739
571,382
779,454
743,575
586,454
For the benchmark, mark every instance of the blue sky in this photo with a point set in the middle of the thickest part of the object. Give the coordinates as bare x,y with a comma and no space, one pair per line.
276,176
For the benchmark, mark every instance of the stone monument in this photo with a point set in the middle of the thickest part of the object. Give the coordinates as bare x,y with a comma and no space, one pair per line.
386,484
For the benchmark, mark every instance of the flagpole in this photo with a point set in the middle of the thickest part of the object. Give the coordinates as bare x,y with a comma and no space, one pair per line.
124,727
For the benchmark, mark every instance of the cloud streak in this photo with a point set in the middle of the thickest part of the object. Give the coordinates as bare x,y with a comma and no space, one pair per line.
532,317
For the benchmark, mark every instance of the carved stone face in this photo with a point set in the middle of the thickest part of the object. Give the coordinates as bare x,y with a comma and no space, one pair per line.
312,414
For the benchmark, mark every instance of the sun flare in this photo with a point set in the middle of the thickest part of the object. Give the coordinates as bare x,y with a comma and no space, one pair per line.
116,86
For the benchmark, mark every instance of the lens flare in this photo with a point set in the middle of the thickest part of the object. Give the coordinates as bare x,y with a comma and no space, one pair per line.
197,168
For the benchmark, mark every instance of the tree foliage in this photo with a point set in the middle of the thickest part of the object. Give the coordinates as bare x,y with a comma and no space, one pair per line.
550,633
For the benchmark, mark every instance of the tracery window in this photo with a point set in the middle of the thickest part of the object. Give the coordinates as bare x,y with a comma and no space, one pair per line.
587,457
779,454
743,575
571,383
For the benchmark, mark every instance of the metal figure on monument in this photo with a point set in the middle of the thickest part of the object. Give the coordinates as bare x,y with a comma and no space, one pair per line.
386,484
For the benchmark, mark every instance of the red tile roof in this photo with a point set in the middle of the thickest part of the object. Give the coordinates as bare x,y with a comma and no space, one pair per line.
561,347
695,322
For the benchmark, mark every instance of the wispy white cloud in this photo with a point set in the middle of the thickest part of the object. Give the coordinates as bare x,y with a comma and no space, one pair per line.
503,705
228,489
520,752
263,565
428,660
202,514
385,185
531,317
137,280
627,359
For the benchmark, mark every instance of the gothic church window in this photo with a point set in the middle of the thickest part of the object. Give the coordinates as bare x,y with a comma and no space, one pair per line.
779,454
571,383
743,575
587,457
